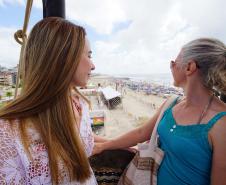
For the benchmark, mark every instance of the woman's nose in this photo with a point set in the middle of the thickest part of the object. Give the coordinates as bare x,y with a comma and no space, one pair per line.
172,63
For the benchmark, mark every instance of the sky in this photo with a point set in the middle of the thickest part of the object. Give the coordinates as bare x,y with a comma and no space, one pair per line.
126,36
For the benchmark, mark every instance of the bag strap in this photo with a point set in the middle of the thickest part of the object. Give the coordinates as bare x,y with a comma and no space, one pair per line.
153,141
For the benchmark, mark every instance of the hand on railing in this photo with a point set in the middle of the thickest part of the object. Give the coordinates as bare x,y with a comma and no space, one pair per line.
132,149
98,148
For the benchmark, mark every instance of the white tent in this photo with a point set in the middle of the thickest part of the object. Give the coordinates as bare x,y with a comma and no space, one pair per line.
110,93
111,97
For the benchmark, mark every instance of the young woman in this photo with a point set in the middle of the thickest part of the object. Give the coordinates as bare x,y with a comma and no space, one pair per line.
45,133
192,131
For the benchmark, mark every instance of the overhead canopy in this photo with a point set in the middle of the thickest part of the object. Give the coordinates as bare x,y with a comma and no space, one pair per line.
110,93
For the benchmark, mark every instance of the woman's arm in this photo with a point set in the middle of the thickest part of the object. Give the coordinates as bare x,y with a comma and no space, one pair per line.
99,139
218,139
131,138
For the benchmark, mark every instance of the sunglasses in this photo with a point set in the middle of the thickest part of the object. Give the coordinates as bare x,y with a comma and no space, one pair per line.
173,63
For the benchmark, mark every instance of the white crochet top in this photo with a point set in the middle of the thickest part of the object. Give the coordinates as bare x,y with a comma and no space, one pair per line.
17,169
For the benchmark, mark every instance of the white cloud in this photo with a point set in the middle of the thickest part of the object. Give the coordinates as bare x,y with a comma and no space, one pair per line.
37,4
157,30
9,48
5,2
99,14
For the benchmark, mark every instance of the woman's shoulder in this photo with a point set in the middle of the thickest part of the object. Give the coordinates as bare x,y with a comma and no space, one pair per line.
219,120
219,112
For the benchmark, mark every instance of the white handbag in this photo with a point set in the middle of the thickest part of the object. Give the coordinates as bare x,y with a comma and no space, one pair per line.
143,169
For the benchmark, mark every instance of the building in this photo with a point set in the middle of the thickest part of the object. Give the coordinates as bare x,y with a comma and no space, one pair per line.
6,78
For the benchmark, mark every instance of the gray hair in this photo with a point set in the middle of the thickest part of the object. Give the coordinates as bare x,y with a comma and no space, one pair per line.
210,57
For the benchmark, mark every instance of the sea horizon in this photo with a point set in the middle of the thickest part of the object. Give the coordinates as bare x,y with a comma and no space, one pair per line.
165,79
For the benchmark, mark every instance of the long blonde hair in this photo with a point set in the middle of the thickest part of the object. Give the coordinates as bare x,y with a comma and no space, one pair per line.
52,54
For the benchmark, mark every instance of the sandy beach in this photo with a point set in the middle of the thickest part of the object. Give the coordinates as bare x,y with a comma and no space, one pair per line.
136,108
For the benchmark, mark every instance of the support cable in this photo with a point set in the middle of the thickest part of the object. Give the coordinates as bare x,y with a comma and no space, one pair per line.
21,37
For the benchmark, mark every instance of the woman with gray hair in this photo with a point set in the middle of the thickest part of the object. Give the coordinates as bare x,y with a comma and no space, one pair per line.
192,131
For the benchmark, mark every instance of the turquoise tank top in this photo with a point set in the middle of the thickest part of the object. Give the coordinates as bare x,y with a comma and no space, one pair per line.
188,155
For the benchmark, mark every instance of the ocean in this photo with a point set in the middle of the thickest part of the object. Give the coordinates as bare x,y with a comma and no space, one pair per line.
165,79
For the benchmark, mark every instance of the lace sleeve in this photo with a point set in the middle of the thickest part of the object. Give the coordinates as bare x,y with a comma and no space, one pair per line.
11,168
85,129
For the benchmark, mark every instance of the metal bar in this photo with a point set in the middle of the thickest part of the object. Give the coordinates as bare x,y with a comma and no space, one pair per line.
53,8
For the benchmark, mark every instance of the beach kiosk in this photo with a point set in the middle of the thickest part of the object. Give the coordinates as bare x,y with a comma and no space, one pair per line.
98,120
111,97
98,117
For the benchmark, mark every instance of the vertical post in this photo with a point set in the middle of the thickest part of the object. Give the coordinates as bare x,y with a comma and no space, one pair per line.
53,8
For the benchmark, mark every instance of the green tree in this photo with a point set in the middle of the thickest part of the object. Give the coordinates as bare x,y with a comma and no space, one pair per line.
9,94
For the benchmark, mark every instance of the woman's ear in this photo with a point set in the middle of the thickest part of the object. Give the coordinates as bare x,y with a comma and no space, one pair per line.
191,67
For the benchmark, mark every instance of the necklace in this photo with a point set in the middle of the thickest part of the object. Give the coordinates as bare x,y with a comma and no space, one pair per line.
201,115
205,109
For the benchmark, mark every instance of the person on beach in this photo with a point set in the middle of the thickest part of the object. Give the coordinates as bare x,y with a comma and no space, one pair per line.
99,89
192,131
45,133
